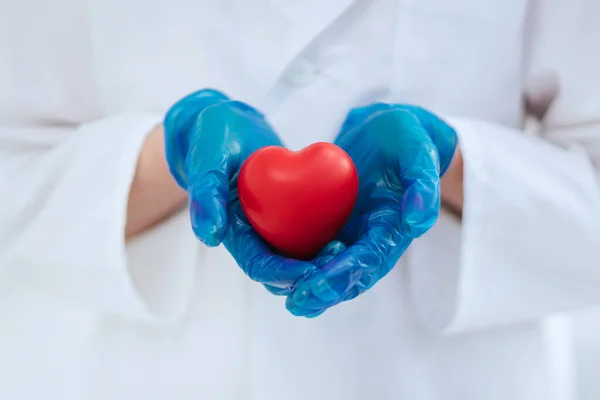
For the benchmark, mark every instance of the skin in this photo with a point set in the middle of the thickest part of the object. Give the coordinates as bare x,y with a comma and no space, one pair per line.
154,194
541,92
452,185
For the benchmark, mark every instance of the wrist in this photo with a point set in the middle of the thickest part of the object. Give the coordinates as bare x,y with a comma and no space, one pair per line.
154,194
451,185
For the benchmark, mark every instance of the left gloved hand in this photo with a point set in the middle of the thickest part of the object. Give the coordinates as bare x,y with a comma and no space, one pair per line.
400,152
207,138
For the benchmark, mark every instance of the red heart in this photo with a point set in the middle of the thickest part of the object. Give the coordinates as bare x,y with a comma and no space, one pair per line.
298,201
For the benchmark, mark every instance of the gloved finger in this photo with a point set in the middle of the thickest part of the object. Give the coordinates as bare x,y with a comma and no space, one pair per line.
442,135
354,270
318,310
328,252
255,257
336,280
324,256
356,122
210,167
418,168
178,123
208,203
314,315
277,291
355,228
303,302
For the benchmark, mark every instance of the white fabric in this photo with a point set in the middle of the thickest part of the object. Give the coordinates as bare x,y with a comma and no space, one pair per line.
82,316
43,243
538,246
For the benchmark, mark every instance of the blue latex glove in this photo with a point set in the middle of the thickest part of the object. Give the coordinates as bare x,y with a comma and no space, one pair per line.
400,152
207,138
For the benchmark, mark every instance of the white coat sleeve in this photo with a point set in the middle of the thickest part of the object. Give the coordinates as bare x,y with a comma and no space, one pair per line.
63,203
529,242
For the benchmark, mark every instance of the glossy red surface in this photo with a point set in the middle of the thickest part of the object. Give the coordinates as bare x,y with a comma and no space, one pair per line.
298,201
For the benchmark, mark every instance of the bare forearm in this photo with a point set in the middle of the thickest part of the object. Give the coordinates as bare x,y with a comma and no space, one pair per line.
154,194
452,185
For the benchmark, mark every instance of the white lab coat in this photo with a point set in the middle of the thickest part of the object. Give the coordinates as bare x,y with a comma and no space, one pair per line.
84,315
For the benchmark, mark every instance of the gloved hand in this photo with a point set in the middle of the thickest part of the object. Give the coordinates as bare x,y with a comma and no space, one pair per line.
207,138
400,152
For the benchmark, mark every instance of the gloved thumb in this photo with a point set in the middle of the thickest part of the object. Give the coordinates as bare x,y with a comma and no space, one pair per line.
208,197
329,252
325,255
179,124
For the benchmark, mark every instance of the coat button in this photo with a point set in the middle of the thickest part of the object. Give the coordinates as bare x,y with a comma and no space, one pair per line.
301,73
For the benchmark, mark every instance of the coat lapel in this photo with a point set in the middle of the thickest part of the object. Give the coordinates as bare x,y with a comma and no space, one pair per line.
309,20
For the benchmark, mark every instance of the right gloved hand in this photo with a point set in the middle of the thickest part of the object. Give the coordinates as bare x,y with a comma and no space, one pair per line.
207,138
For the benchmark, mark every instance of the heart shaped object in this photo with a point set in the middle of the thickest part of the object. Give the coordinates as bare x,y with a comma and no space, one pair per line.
298,201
